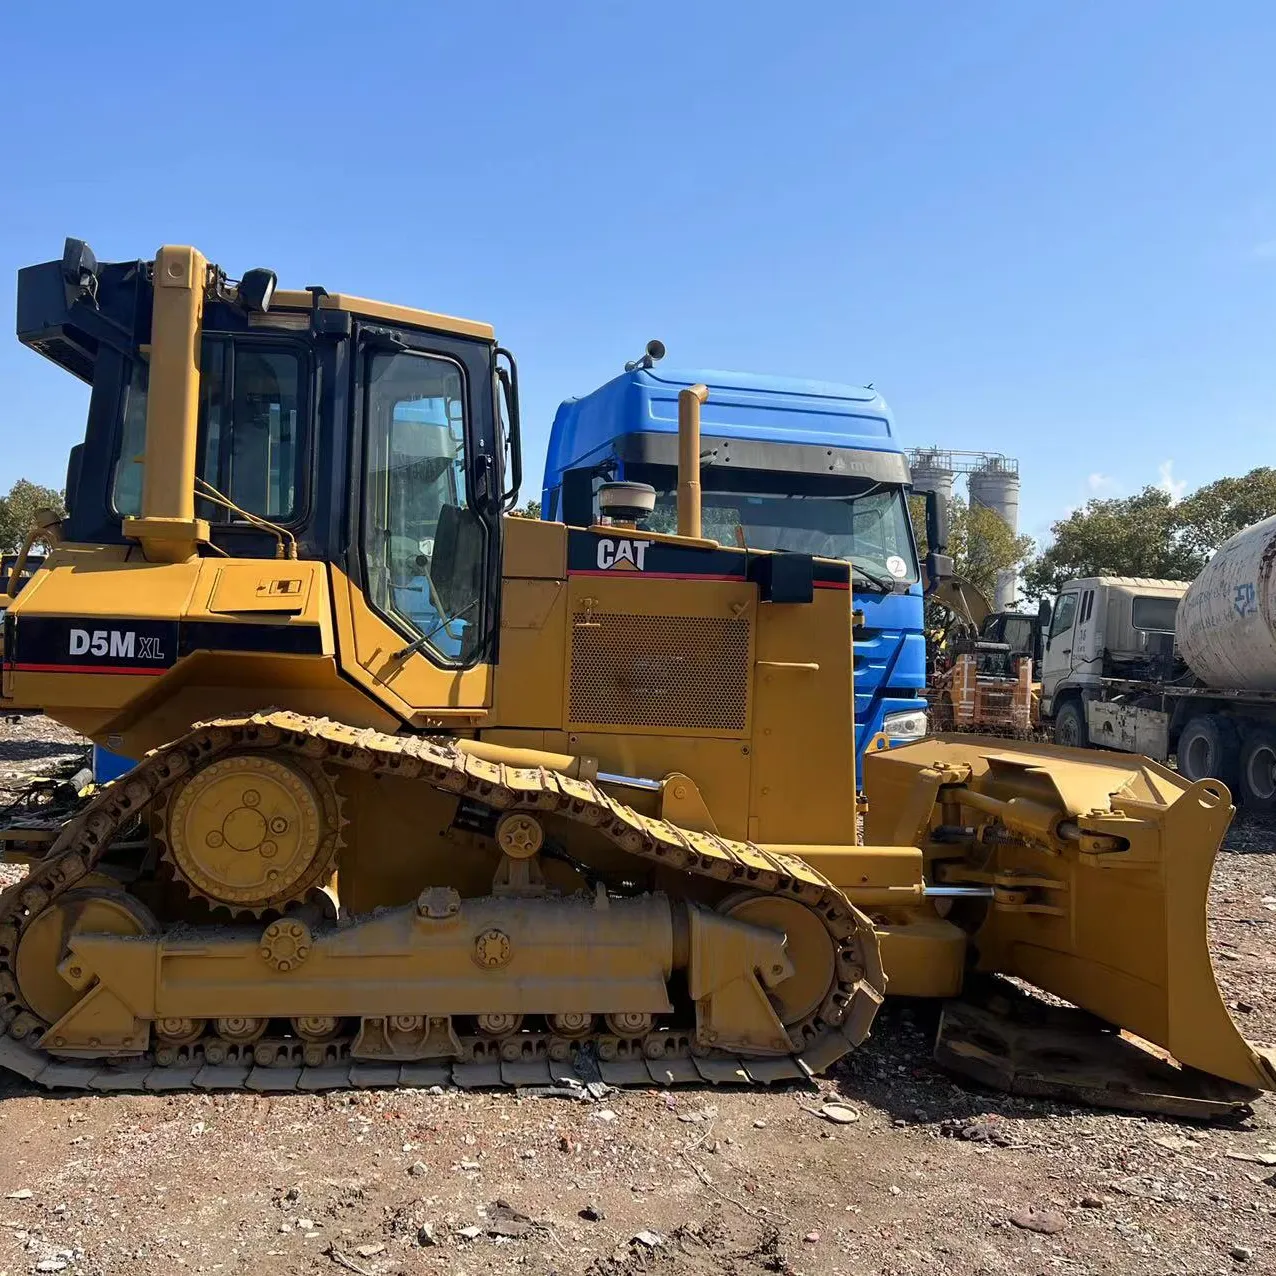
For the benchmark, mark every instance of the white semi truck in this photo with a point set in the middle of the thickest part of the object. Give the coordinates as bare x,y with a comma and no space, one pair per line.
1172,669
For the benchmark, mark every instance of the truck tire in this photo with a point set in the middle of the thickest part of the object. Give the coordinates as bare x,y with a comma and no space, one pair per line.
1258,769
1069,725
1209,748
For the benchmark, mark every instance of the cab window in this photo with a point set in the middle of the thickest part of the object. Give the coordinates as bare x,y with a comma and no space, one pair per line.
423,546
251,431
1155,614
249,412
126,489
1063,615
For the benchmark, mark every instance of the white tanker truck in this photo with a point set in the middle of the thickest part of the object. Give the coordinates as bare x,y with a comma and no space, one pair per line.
1172,669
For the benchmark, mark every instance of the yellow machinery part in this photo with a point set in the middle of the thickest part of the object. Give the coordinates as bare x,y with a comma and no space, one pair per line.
90,909
811,955
778,964
252,833
508,956
732,711
1043,851
1097,866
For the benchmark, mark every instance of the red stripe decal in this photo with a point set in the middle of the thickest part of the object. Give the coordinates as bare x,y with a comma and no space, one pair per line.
819,584
637,575
22,667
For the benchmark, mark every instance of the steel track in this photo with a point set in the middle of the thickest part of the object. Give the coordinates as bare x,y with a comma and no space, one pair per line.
662,1058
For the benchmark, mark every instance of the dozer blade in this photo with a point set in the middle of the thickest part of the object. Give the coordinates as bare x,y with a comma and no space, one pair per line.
1097,869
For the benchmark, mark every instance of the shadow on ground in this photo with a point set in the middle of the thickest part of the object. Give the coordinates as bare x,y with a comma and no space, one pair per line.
1250,834
35,750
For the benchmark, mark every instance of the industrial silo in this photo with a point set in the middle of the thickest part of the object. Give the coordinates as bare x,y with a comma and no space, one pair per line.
995,485
932,472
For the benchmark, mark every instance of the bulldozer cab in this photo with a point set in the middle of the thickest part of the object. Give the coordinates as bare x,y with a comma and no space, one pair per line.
311,427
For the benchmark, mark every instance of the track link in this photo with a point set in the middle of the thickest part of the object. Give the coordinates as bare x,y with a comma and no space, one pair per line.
839,1024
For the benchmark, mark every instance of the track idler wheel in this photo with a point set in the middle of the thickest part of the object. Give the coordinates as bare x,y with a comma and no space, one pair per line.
809,945
44,943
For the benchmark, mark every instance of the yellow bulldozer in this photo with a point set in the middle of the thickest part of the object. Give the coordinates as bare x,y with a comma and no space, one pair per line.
427,792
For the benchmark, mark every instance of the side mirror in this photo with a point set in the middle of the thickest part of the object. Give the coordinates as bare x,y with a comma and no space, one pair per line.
507,376
937,524
1042,638
578,498
938,567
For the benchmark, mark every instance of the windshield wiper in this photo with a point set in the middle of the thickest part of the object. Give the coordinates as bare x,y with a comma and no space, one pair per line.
884,583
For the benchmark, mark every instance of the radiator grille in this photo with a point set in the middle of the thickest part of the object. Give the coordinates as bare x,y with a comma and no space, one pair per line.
660,671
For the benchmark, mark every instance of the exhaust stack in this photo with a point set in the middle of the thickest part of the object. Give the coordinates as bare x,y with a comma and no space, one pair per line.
689,401
168,529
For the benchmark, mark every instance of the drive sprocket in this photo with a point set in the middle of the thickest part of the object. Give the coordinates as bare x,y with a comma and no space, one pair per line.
251,832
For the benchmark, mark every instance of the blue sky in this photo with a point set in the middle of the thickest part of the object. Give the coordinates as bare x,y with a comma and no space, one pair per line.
1042,229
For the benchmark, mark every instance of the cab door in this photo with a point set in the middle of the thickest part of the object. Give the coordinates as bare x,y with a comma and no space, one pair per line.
417,603
1057,664
1086,628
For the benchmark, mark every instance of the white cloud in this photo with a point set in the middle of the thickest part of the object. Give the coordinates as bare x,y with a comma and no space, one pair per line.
1168,483
1098,482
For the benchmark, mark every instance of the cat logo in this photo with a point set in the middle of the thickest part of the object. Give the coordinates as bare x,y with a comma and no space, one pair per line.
621,555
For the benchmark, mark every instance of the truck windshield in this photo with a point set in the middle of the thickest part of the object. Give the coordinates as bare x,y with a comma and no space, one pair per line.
868,527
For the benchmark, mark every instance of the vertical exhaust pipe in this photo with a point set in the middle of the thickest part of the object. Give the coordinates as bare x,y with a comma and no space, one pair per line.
689,401
168,529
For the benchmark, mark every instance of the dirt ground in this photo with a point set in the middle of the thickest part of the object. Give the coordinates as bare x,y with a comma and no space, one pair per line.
683,1182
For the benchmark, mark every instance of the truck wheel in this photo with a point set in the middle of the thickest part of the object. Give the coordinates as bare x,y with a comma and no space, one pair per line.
1209,749
1258,770
1069,725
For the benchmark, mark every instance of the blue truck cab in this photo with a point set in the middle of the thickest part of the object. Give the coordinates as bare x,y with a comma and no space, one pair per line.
804,466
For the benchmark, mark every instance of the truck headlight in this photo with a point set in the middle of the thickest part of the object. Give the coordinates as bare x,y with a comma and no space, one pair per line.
908,724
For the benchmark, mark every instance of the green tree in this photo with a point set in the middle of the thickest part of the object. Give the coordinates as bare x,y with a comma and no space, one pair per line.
18,510
531,510
980,542
1206,518
1148,535
1120,536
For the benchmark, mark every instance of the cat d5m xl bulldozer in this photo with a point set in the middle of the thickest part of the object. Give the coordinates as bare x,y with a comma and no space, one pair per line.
428,792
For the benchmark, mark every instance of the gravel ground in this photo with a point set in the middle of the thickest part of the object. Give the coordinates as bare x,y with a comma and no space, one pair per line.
694,1181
